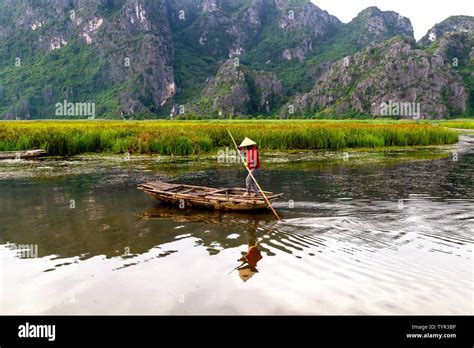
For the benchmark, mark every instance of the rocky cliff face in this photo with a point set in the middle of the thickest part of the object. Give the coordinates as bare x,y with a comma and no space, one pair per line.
136,47
267,91
226,29
372,26
138,58
237,91
300,29
127,41
451,24
227,92
411,82
220,29
288,33
147,60
391,73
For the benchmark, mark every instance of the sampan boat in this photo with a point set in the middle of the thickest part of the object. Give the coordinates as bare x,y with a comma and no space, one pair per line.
186,196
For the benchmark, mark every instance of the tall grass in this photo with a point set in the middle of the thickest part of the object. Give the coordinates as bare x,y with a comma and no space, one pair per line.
188,138
458,124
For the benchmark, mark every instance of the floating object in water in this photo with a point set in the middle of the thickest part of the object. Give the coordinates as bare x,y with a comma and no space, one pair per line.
186,196
22,154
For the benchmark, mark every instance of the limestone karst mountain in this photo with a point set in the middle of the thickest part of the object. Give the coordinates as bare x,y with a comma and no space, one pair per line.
145,59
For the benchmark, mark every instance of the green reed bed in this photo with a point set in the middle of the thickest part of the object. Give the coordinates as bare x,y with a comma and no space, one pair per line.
196,137
458,124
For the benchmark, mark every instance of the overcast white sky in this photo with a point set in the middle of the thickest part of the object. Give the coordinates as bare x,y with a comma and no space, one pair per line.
424,14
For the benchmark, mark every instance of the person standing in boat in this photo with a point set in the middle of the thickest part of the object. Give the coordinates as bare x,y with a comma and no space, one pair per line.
253,163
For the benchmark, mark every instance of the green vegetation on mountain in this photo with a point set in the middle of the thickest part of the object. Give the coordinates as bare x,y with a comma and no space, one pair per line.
86,83
138,59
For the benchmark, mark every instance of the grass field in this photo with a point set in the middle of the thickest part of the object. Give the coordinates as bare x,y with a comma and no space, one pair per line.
195,137
463,124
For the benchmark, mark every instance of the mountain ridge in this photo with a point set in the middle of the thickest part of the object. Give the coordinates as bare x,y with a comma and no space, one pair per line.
139,59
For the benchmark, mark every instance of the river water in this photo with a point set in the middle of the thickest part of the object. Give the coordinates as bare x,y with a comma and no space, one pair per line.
386,232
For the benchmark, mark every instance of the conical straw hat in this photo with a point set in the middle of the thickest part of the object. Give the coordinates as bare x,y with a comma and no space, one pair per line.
247,142
246,273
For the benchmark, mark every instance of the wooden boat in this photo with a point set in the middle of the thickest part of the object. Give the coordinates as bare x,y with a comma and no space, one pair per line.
22,154
186,196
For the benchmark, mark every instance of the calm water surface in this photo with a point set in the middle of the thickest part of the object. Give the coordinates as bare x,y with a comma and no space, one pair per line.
374,233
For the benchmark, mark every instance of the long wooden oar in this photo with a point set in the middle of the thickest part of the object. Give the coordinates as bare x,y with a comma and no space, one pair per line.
255,180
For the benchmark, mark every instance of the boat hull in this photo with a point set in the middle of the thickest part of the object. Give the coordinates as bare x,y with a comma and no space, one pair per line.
187,196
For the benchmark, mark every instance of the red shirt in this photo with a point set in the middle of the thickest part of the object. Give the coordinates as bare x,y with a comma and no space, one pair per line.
253,160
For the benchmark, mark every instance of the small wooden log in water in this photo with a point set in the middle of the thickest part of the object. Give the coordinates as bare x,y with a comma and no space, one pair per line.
21,154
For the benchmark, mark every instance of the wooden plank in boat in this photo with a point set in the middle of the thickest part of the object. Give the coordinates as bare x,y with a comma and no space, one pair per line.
187,191
213,192
158,187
